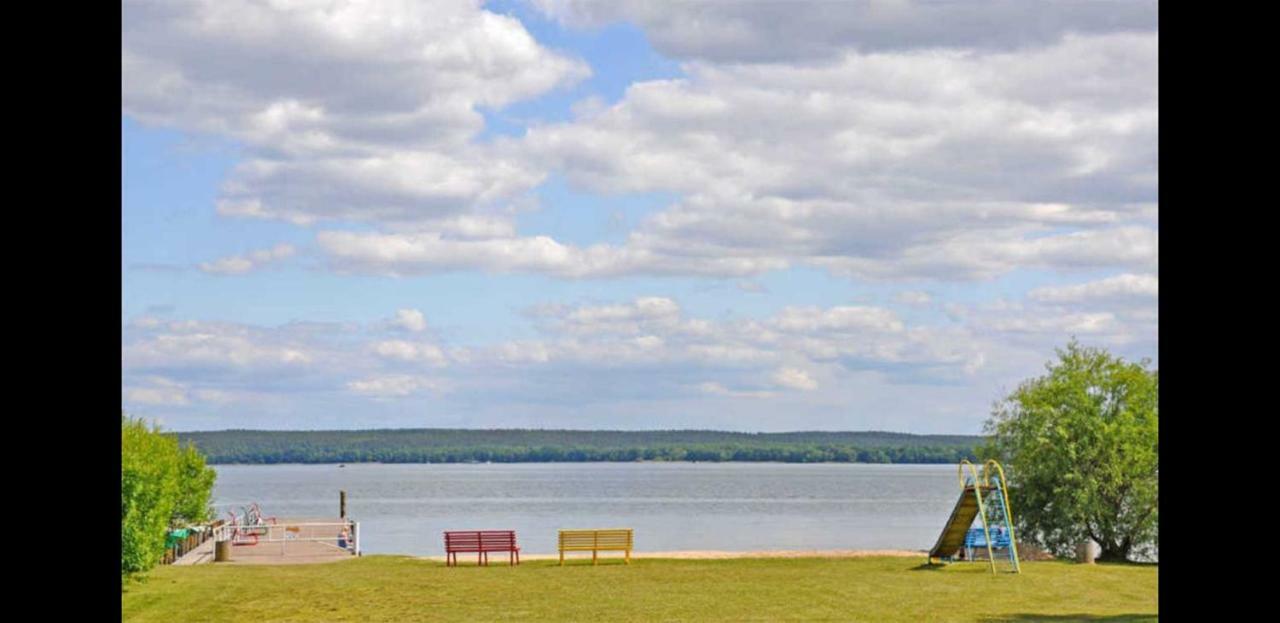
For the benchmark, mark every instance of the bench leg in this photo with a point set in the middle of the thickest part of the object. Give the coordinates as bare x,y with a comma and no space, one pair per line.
561,558
593,556
628,556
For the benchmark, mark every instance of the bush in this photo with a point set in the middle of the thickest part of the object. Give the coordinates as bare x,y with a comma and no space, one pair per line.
162,486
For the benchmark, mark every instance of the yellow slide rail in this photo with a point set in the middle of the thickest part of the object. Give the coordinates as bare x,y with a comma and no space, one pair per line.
978,485
960,472
981,482
1008,510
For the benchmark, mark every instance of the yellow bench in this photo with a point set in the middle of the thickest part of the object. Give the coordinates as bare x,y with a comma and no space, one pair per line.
596,541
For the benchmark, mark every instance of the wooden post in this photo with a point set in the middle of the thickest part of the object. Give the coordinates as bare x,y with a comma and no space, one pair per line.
342,504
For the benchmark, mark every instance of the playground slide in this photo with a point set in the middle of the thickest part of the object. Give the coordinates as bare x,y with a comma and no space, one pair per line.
952,538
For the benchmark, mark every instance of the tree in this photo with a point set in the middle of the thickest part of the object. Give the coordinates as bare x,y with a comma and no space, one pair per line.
1082,452
148,494
196,489
162,486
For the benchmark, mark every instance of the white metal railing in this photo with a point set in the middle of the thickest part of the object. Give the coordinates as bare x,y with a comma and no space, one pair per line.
343,535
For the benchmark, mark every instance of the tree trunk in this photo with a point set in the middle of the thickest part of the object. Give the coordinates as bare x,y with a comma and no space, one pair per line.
1114,554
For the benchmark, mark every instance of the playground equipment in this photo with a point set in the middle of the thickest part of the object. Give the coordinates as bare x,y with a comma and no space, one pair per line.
245,530
983,496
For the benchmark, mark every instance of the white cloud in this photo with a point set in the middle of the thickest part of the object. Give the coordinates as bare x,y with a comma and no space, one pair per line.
645,351
812,29
711,387
913,297
523,352
239,264
156,391
1066,324
937,164
416,188
642,315
193,344
808,319
794,378
411,320
920,164
1131,325
893,141
989,254
204,365
1126,289
1030,143
217,396
651,332
394,386
354,110
411,352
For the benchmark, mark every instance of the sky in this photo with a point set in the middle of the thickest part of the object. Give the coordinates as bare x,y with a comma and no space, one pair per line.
752,215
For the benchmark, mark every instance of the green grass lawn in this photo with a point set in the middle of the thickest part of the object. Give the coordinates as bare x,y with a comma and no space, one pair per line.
394,588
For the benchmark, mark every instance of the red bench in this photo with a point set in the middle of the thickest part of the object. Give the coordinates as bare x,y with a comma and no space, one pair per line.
481,542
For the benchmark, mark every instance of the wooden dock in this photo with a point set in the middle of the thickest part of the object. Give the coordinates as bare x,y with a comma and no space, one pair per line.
283,551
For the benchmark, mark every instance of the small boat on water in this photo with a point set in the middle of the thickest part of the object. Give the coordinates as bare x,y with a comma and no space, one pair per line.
342,465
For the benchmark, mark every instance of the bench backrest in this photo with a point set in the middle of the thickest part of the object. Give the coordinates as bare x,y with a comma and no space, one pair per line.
480,540
597,538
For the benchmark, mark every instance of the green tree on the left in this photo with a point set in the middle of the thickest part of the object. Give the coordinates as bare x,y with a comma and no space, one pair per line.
162,486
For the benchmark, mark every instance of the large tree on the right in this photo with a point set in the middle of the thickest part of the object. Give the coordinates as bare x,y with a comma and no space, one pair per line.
1081,449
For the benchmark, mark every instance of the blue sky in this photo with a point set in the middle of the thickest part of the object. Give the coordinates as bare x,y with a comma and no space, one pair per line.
600,215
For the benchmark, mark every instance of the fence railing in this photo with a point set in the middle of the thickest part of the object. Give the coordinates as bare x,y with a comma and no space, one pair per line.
193,540
343,535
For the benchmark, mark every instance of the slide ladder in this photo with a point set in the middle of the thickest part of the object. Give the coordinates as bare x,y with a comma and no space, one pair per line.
983,496
1000,513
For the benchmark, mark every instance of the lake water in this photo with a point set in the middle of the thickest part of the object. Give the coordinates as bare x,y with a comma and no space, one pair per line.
403,509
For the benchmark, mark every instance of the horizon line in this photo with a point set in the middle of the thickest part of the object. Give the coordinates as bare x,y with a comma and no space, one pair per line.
574,430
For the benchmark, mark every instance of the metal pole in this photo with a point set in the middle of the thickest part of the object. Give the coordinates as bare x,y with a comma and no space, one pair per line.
342,504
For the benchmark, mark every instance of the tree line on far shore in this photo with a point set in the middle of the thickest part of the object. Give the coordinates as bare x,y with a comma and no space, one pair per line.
539,446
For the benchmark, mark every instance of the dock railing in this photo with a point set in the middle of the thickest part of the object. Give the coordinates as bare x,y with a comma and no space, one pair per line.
195,539
340,535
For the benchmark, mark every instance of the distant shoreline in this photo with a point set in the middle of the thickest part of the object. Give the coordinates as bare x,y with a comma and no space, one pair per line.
431,446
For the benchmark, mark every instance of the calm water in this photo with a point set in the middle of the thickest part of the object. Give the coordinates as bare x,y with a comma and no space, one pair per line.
402,509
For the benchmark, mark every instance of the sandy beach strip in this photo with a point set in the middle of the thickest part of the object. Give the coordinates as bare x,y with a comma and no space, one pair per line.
708,554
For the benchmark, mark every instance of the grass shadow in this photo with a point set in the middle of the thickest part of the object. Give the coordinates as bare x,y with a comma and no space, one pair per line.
1126,563
1095,618
929,566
